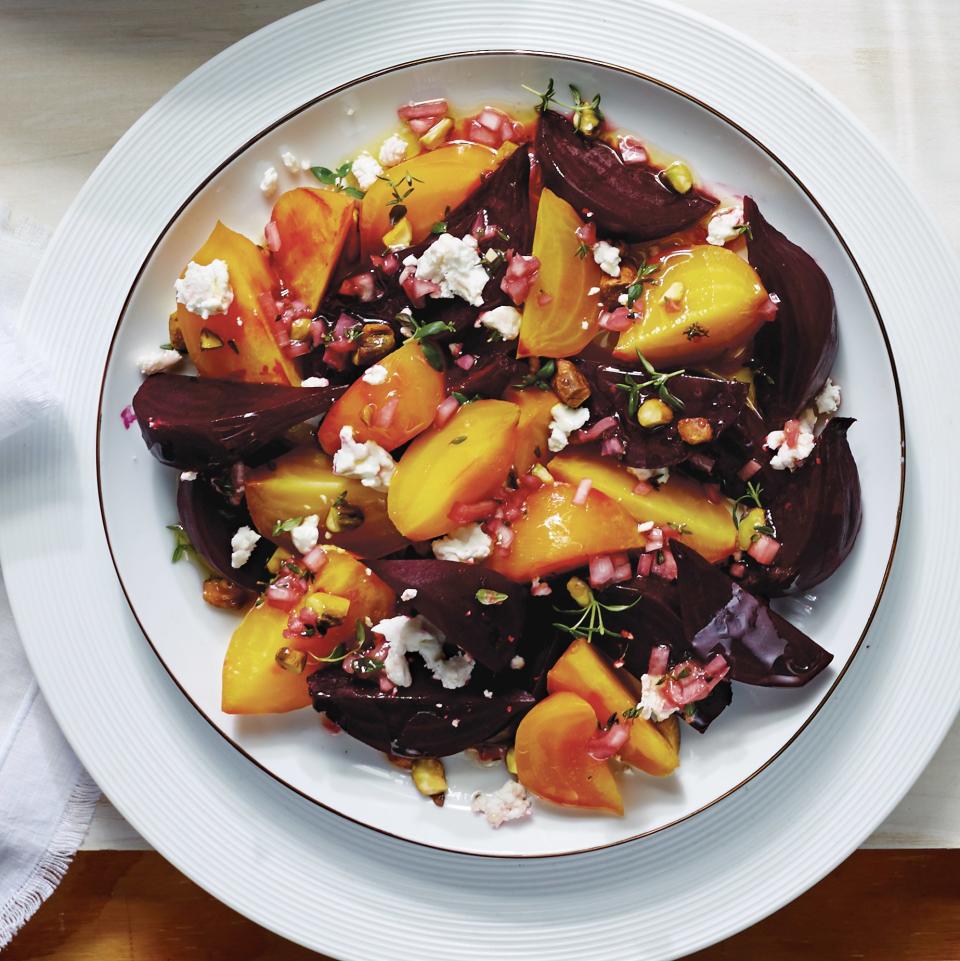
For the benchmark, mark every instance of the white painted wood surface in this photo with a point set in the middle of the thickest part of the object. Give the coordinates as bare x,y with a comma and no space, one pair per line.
75,76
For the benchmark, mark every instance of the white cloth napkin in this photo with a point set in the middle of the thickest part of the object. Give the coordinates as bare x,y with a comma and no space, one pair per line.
46,797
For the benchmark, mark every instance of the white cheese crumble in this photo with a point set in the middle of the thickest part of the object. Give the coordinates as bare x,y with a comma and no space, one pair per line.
368,462
454,265
415,635
409,594
376,375
290,161
306,534
366,169
517,663
653,705
509,803
158,361
504,320
828,400
607,258
723,225
188,475
646,474
315,382
204,289
392,150
242,544
491,255
465,544
564,421
787,457
268,182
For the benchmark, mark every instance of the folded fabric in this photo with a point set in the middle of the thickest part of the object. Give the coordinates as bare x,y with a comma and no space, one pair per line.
46,798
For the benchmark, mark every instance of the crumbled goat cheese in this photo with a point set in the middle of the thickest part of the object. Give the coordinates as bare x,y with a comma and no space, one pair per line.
465,544
392,150
242,544
509,803
366,169
306,535
158,361
290,161
517,663
564,421
188,475
488,694
368,462
268,182
607,258
723,226
504,320
454,265
790,458
415,635
660,474
376,375
653,705
315,382
409,594
828,400
204,289
491,255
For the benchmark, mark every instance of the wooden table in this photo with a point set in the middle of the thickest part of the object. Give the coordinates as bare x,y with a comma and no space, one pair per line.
75,75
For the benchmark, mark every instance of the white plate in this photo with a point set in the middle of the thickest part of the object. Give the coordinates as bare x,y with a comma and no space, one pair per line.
307,873
343,774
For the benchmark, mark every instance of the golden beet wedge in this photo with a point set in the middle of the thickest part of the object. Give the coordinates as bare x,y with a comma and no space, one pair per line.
464,461
680,506
585,671
239,344
253,681
444,178
533,430
313,226
409,396
551,754
556,535
706,303
560,316
302,483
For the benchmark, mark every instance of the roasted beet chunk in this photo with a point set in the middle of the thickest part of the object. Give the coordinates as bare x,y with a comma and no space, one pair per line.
718,402
797,349
422,719
628,201
195,423
816,512
451,595
209,520
720,617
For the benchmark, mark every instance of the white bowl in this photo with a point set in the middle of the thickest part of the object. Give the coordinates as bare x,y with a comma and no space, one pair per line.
340,773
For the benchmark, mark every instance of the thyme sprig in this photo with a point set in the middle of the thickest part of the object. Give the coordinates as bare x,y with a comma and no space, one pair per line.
655,380
363,664
539,378
645,274
423,332
396,186
546,96
182,546
338,179
587,115
752,496
590,612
